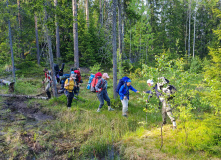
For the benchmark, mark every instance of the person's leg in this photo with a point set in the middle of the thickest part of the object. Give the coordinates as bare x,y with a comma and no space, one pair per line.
101,99
170,115
47,90
164,113
106,98
69,98
124,107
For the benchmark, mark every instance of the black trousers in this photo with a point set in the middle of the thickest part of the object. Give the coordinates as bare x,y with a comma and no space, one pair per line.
70,96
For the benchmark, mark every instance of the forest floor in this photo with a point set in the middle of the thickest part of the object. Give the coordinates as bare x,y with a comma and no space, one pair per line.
39,129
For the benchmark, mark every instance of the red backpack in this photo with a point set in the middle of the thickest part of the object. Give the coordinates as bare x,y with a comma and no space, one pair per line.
98,76
78,75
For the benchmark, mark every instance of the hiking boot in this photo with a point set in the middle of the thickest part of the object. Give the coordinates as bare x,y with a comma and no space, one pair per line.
174,125
98,110
125,116
110,109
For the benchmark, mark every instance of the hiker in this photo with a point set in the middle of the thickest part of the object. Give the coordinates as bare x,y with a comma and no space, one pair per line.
69,88
124,94
77,80
164,98
96,78
101,89
48,80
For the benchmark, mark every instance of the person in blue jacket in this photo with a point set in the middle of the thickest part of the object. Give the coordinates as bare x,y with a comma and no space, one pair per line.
124,96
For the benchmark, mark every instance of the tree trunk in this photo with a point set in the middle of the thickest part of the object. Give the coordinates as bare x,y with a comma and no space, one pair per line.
101,12
189,29
114,50
123,53
87,12
75,33
19,30
57,33
22,96
130,43
50,57
37,43
11,47
194,35
120,29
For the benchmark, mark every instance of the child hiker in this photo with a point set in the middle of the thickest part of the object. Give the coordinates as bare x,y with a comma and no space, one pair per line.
69,88
101,89
124,95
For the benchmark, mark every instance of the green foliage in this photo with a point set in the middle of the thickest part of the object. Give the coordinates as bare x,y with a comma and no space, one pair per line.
28,69
96,68
27,87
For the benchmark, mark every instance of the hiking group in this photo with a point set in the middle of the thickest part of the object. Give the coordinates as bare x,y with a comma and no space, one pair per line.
70,86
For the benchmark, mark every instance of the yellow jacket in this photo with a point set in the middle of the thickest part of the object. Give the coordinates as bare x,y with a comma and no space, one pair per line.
70,87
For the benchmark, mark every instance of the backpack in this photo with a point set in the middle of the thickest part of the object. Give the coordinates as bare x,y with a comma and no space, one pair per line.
121,82
89,81
56,69
168,91
77,76
98,76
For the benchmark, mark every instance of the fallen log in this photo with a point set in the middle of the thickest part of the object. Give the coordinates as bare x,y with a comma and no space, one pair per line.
10,84
23,96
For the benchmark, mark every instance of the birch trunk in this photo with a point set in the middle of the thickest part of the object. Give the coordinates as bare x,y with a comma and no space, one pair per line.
37,43
48,36
194,35
114,50
11,47
75,33
189,29
120,28
58,54
87,12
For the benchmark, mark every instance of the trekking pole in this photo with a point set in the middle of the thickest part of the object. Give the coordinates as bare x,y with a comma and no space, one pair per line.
161,136
146,113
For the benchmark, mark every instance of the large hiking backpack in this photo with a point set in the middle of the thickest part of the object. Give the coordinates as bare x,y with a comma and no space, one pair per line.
78,75
168,91
56,69
121,82
98,76
89,81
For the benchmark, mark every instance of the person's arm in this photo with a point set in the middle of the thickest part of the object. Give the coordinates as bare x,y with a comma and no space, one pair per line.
66,83
133,89
98,85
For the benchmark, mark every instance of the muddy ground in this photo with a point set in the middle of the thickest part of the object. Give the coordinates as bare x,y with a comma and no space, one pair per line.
18,120
21,121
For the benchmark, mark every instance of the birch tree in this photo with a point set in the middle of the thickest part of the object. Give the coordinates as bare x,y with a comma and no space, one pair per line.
51,59
36,37
57,33
75,33
114,50
10,42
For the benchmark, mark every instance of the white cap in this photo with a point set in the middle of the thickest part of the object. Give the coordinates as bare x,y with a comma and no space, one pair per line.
150,81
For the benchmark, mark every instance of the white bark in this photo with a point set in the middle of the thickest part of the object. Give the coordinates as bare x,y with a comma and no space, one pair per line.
114,50
189,28
36,35
75,33
58,54
11,47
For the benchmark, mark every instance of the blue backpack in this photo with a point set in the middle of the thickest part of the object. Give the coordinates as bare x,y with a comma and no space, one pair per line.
121,82
90,80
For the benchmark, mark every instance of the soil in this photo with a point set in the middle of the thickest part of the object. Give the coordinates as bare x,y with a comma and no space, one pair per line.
16,115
